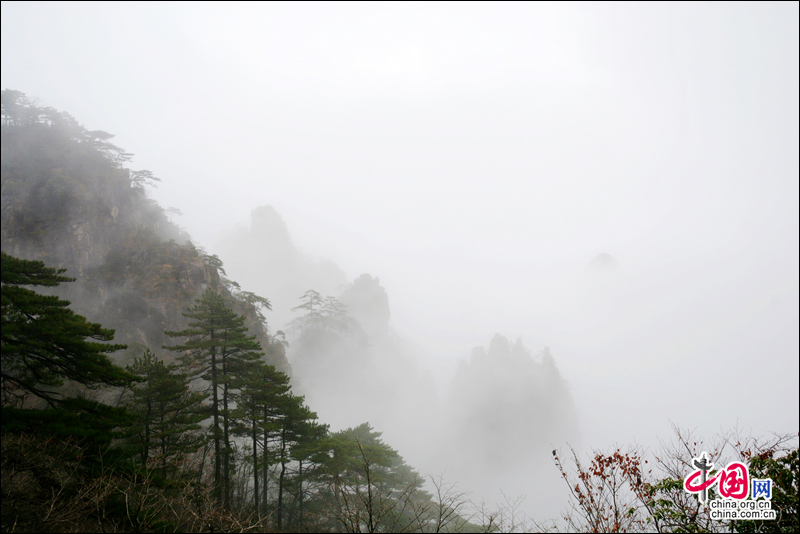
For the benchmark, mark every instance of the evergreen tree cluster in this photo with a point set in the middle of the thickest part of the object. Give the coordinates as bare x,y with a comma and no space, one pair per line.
57,172
44,342
70,199
204,435
219,431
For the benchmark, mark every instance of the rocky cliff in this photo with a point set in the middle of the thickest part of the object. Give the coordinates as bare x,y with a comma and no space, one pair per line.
506,404
69,200
263,257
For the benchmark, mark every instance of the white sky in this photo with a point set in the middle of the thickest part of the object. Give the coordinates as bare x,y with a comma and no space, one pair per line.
476,157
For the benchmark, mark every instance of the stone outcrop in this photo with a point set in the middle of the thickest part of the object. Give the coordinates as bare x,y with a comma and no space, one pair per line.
368,303
72,207
264,259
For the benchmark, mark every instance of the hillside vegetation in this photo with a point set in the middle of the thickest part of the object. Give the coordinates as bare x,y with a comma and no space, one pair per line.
144,391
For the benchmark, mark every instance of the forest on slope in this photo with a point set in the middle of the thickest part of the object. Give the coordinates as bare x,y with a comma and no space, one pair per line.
190,420
201,415
69,200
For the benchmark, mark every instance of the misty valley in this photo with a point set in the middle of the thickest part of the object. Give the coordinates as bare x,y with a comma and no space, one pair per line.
149,385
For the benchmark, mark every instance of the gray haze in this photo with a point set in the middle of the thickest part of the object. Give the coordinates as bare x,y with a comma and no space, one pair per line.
478,159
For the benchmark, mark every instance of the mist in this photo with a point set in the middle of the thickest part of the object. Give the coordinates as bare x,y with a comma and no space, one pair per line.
617,183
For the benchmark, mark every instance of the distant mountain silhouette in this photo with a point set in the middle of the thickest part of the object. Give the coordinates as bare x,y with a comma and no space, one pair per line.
264,260
602,262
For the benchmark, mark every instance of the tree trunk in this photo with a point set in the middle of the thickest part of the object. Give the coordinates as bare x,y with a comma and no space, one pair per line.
256,502
215,411
146,448
300,492
226,439
264,462
280,480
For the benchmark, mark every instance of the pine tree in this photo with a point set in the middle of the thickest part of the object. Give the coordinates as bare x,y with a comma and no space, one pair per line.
311,452
297,424
263,393
313,304
168,418
322,315
371,488
45,343
217,350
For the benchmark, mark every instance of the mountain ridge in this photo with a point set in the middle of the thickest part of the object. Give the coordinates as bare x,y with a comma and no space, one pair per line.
69,200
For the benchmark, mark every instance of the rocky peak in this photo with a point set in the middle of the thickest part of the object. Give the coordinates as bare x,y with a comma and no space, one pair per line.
368,303
268,228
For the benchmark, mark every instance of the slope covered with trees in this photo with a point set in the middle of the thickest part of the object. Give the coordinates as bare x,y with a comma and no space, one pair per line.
69,199
201,430
166,457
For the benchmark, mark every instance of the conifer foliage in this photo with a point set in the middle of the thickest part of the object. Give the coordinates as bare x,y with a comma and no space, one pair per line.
45,343
219,351
263,390
215,441
167,425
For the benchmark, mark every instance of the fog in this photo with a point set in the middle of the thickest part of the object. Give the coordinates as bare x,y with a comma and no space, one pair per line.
617,182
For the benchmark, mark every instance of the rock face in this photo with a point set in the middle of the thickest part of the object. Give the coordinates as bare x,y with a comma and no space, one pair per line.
505,404
368,303
353,368
269,229
73,206
264,260
505,412
602,262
